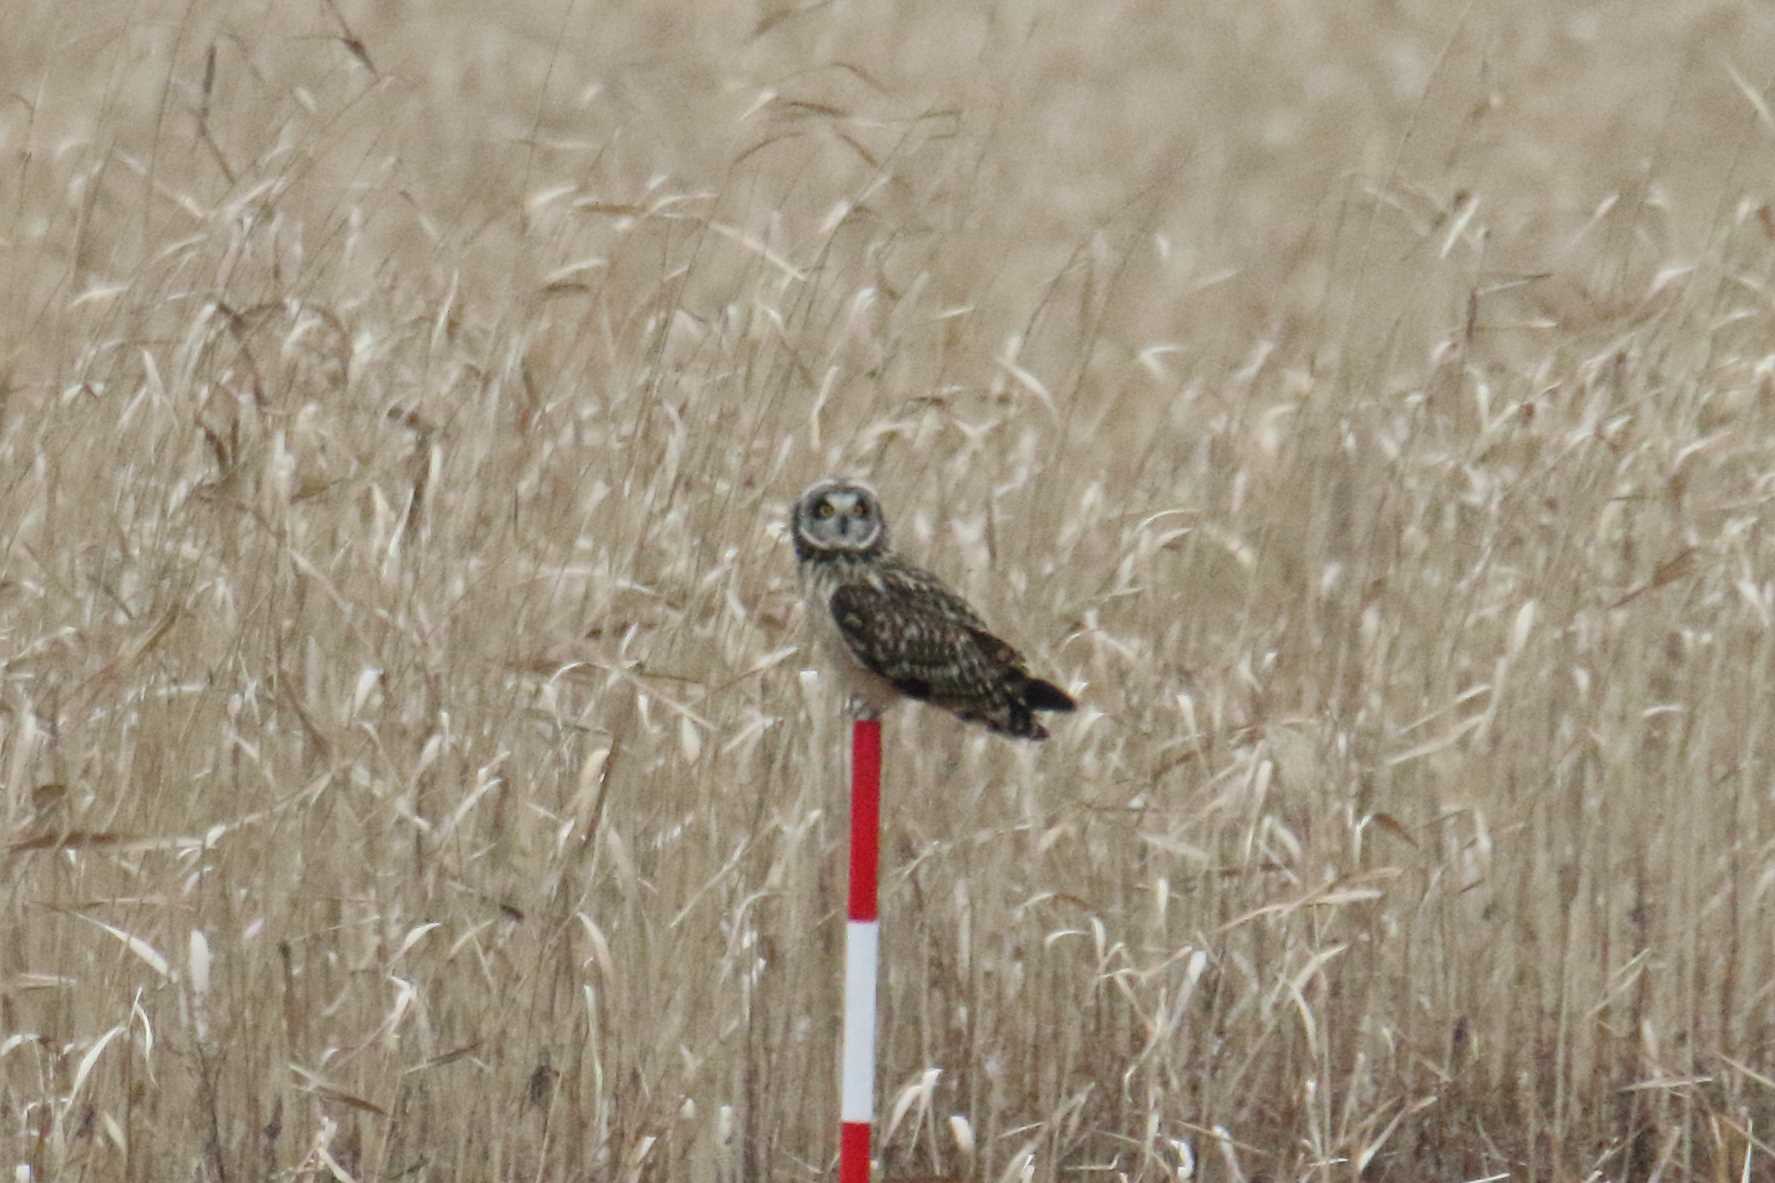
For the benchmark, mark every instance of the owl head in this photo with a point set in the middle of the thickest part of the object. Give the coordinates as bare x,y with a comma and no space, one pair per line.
838,516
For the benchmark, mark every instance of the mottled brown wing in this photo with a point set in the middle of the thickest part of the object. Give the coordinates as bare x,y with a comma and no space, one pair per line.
924,639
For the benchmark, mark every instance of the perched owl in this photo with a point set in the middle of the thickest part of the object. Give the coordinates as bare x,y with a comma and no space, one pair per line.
891,630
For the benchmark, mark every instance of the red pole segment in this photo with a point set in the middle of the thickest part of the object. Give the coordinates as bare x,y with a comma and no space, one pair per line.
865,817
862,939
853,1152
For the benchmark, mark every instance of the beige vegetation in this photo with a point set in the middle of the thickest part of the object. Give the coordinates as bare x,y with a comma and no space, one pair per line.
406,770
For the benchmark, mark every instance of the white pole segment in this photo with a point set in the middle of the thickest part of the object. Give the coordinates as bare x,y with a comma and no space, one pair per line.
862,939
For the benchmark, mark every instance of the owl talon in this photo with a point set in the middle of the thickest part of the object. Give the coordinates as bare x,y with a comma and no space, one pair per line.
858,707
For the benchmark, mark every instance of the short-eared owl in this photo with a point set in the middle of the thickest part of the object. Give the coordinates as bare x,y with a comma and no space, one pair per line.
892,630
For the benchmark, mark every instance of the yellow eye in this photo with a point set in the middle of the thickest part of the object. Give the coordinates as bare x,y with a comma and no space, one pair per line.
824,510
859,510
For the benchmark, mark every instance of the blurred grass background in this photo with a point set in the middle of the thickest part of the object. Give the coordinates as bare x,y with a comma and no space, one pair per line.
405,762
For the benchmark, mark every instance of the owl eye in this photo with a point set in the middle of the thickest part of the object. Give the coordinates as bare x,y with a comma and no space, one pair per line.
859,510
824,510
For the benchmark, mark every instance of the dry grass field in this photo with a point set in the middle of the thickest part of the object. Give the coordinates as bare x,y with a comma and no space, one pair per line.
408,769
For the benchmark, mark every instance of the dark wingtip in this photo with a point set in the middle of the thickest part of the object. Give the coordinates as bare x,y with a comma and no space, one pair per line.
1045,696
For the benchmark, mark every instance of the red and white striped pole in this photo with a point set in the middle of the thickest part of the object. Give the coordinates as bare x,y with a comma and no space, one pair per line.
862,942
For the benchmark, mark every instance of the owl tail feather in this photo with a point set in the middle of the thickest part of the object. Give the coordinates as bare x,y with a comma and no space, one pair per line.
1018,715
